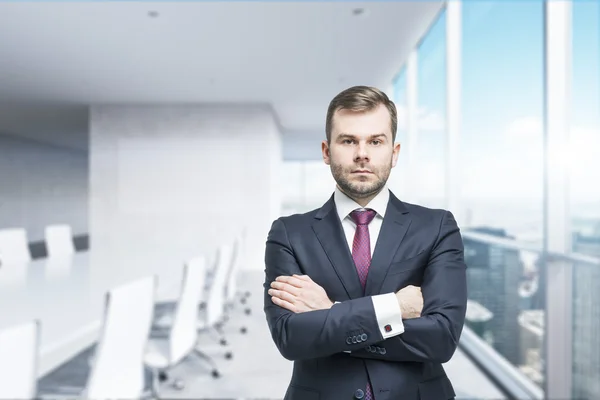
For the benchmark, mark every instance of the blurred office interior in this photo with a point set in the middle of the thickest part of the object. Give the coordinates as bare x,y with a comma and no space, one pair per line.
146,148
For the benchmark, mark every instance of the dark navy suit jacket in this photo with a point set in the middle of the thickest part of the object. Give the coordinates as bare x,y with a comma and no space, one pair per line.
416,246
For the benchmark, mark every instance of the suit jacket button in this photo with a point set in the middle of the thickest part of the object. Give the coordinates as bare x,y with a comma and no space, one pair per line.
368,348
382,351
353,339
359,394
364,337
348,340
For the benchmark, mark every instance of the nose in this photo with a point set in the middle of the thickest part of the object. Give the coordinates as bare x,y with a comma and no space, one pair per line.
361,152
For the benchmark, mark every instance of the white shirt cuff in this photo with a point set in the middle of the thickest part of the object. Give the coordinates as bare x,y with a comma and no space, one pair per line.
388,314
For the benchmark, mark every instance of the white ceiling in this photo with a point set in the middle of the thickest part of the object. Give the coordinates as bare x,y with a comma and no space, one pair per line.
293,55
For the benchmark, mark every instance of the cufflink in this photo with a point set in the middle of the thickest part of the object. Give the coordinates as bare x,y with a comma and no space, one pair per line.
388,328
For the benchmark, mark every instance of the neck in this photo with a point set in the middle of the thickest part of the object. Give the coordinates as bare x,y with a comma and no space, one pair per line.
361,201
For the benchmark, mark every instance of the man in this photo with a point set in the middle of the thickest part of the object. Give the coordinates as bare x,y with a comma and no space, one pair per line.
367,295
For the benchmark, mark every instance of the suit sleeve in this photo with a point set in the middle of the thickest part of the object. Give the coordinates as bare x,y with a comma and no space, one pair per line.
433,337
346,326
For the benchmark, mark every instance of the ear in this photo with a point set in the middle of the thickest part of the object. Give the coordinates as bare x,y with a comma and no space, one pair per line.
395,154
326,152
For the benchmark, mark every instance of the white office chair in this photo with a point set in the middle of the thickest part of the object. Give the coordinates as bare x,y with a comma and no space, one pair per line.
241,257
215,303
210,320
231,290
59,241
14,246
118,366
19,352
167,350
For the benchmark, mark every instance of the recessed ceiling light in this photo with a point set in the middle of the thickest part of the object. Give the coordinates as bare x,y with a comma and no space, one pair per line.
359,12
153,14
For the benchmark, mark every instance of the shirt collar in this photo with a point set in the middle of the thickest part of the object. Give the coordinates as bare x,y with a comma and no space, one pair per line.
345,205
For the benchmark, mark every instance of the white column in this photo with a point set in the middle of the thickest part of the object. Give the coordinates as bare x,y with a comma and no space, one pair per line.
453,107
557,230
412,110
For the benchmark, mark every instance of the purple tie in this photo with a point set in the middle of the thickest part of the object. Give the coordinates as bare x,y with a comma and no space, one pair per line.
361,253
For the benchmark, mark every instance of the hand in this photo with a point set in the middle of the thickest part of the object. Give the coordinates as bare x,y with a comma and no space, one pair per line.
298,293
410,299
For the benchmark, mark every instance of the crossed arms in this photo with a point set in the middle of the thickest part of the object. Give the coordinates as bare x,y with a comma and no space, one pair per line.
352,326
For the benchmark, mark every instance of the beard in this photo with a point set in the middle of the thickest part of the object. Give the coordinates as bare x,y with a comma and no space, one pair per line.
357,189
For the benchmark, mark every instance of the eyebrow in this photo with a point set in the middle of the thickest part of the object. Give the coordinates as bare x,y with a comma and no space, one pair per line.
349,136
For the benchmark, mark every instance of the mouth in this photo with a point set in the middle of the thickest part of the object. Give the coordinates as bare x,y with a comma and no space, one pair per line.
361,171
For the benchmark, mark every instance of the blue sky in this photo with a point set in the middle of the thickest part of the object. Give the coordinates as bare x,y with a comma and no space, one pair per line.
502,84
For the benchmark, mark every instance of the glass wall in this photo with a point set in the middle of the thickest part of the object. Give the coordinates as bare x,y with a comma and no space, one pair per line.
584,196
428,170
502,172
307,185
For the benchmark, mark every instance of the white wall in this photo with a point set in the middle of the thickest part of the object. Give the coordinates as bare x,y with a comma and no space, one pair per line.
42,184
171,182
303,145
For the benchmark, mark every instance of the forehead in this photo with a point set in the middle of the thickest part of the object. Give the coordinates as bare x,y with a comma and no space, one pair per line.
362,123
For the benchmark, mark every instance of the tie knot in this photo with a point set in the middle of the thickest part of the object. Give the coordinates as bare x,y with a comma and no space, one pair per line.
363,217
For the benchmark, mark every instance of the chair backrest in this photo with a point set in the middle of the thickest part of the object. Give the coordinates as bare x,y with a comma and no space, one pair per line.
59,240
19,352
232,277
118,369
184,331
215,304
14,246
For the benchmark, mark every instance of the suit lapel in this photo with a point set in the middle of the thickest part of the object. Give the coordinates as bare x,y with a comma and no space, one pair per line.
395,225
329,231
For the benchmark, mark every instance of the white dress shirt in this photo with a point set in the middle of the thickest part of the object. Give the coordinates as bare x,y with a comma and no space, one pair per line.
387,308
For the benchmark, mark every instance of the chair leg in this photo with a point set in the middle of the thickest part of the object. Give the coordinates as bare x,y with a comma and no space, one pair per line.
155,379
217,334
162,376
208,359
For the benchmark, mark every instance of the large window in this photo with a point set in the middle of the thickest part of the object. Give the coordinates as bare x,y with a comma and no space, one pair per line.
501,140
428,169
501,160
306,185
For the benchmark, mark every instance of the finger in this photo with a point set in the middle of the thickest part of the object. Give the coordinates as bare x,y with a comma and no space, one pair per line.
282,295
303,277
291,280
284,304
286,287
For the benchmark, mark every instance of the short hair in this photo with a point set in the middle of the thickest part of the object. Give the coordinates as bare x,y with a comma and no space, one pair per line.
360,98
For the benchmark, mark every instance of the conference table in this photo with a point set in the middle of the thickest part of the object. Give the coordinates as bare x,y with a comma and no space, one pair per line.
61,295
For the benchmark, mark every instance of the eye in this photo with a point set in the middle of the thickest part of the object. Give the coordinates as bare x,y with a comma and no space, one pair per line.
376,142
347,141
